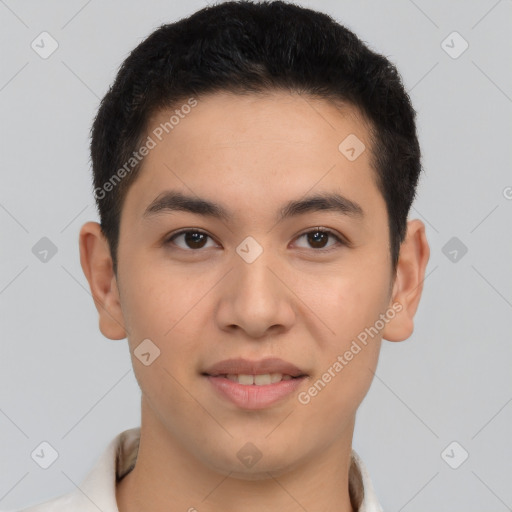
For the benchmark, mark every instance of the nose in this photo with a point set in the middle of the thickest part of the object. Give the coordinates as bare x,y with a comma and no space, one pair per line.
255,298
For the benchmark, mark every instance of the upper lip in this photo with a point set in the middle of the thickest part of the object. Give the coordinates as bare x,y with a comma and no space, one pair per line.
239,366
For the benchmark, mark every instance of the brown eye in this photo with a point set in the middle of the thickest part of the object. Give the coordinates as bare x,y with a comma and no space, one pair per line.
318,239
193,239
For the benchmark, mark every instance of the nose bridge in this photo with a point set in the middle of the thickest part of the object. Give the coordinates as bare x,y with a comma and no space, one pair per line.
257,299
255,283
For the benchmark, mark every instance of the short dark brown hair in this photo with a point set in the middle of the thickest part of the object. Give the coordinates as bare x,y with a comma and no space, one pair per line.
245,47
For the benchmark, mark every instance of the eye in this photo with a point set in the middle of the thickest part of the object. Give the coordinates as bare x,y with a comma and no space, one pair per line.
319,236
193,238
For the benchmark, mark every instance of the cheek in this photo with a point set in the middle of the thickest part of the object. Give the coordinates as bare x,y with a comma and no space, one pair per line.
354,302
352,308
350,356
166,308
156,298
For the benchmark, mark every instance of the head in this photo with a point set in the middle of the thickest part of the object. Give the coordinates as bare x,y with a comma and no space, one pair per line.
251,110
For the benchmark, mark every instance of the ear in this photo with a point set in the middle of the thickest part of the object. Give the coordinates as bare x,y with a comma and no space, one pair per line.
97,266
408,285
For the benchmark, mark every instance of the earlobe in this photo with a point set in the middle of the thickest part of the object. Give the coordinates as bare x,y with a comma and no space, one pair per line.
96,262
408,286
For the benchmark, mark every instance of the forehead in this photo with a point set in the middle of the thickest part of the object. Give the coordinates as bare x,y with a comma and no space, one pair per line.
253,151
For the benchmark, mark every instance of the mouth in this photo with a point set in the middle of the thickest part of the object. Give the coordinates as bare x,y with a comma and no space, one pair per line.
254,384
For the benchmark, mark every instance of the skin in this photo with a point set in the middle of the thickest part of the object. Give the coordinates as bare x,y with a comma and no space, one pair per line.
202,305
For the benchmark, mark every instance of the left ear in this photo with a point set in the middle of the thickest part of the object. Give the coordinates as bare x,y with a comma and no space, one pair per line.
408,285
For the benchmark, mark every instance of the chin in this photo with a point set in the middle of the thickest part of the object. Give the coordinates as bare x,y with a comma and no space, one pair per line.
258,466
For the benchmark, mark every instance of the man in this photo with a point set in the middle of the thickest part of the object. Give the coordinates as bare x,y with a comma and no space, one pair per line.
254,166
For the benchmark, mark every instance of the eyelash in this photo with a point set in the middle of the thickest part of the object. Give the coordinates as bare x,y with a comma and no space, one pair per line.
340,240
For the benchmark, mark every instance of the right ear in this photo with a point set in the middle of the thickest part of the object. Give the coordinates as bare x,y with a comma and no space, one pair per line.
97,266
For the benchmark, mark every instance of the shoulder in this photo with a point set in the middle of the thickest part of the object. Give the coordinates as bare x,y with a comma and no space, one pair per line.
361,487
97,492
70,501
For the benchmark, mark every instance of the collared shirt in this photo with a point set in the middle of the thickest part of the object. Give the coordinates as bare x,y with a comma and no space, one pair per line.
98,489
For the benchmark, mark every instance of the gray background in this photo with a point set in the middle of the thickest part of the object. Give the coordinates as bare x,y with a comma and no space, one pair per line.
62,382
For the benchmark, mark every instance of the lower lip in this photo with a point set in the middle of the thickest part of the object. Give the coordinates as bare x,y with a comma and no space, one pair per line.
250,396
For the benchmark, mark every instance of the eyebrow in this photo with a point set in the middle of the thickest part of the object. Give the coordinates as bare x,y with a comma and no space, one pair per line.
172,201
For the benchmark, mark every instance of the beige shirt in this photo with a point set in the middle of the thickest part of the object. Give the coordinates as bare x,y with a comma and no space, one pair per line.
98,489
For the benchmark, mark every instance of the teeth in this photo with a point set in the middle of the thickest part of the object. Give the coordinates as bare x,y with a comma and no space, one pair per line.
258,380
245,379
263,380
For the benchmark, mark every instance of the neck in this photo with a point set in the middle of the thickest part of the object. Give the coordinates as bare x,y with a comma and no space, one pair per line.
168,478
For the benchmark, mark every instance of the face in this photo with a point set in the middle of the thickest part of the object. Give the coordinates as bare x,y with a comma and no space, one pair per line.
255,284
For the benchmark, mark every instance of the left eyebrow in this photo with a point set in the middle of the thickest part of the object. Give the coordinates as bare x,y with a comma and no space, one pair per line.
327,201
171,201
